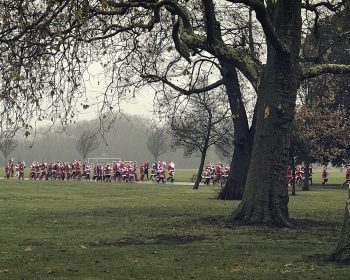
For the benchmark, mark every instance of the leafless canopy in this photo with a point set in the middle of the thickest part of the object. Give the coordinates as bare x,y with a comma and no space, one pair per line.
7,146
157,142
49,49
87,142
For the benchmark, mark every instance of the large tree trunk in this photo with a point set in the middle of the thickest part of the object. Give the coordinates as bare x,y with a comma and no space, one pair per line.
342,252
243,140
265,199
234,187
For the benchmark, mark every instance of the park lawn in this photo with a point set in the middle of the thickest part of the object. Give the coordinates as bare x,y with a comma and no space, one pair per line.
185,175
81,230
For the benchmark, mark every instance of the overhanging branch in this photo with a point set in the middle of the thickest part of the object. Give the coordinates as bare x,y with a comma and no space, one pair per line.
315,71
240,59
154,78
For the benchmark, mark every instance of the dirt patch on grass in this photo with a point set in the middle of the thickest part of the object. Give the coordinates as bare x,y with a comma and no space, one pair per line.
176,239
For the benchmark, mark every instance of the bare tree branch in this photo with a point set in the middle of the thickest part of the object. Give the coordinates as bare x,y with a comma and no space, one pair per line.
269,30
321,69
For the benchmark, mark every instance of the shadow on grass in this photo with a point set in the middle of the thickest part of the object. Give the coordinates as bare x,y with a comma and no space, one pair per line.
305,224
311,224
324,259
161,239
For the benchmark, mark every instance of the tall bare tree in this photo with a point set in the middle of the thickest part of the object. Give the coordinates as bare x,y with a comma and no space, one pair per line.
157,142
86,142
199,122
7,146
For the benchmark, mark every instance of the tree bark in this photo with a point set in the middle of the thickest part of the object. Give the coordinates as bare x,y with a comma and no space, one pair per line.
306,185
203,155
342,252
234,186
243,140
293,172
200,170
265,199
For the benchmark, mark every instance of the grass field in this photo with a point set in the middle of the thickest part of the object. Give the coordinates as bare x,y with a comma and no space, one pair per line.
75,230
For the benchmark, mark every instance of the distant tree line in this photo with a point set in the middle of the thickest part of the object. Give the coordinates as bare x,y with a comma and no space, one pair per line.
127,139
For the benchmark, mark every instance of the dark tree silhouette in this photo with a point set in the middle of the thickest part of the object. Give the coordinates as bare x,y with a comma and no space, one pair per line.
157,142
7,146
201,122
86,142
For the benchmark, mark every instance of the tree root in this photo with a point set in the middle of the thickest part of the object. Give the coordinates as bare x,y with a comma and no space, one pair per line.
245,214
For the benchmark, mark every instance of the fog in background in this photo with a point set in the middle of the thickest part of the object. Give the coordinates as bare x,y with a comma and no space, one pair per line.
126,140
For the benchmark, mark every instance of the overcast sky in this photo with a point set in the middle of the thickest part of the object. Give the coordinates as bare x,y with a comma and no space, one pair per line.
142,104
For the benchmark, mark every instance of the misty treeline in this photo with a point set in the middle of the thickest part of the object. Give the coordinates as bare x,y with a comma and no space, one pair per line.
126,139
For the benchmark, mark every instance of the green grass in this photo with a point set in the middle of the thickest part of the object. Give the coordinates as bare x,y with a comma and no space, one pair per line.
184,175
76,230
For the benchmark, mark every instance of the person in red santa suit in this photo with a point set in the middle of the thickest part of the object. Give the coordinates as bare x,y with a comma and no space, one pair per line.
9,169
68,169
17,169
32,171
49,171
83,167
87,171
72,168
94,174
161,175
114,170
218,173
77,174
63,171
226,172
324,176
207,174
124,172
154,172
42,170
55,170
21,167
171,172
142,172
131,172
37,171
12,168
107,173
347,176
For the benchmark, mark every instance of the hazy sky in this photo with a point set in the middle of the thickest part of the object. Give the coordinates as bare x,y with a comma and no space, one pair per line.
142,104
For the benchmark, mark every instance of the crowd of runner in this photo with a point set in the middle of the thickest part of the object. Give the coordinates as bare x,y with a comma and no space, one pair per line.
300,175
215,173
126,171
122,171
